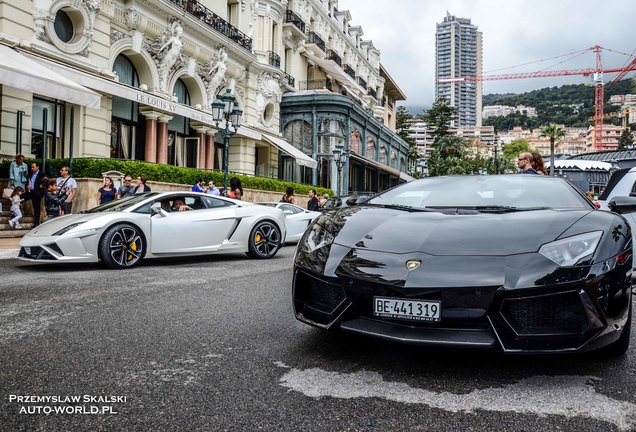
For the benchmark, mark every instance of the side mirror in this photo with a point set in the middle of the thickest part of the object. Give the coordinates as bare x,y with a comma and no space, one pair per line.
287,212
357,200
622,204
156,209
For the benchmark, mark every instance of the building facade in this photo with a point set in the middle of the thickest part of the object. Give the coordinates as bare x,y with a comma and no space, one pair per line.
135,80
458,53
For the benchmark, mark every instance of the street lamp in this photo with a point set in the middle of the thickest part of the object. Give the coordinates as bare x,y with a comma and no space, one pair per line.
223,109
424,169
340,158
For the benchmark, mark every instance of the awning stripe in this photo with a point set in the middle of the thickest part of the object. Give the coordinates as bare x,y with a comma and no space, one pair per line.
284,146
19,71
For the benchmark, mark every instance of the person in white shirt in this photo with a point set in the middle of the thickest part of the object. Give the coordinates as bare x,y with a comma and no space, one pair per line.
66,183
212,189
15,208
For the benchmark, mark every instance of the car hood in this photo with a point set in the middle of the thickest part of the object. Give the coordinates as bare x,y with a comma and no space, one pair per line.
435,233
54,225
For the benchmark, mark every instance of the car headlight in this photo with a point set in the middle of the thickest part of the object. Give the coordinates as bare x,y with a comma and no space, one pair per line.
67,228
316,237
571,250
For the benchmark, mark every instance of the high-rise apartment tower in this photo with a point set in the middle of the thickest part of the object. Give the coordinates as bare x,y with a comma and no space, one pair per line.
458,53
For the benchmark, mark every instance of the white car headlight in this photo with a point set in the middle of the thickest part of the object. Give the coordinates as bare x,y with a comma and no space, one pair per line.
67,228
569,251
316,237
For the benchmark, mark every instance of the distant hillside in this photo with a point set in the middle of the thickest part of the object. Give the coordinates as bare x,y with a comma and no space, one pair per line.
571,105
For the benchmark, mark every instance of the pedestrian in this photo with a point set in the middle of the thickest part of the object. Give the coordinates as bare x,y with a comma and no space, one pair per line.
312,204
590,196
36,191
16,199
236,190
106,193
199,186
212,189
325,198
125,188
53,199
66,183
18,172
289,196
141,186
524,163
537,163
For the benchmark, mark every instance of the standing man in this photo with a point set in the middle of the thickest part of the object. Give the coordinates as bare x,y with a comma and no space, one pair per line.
18,172
125,188
524,163
312,204
212,189
36,191
65,183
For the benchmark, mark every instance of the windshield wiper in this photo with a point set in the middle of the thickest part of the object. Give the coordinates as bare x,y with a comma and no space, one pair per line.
400,207
493,208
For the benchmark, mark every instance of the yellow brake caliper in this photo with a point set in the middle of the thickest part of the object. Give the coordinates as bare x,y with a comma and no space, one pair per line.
258,237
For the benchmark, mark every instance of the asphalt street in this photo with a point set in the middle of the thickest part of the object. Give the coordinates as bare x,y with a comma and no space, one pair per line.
211,344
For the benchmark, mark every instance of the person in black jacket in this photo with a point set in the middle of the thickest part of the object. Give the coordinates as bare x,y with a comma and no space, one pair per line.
36,191
312,204
53,200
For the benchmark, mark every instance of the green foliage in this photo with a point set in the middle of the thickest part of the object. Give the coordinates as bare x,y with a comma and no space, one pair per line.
571,105
93,168
512,150
439,118
554,133
627,139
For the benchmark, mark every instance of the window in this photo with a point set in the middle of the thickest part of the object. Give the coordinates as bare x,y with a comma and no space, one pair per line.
51,142
211,202
126,130
181,152
63,26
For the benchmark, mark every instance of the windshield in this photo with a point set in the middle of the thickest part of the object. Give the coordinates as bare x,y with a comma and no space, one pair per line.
505,191
122,204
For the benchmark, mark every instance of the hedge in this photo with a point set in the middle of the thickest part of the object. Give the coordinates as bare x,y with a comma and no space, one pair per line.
93,168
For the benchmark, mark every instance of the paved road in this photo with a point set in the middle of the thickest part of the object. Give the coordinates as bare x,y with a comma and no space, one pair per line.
211,344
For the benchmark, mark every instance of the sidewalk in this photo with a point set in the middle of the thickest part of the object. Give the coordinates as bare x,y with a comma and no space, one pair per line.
9,247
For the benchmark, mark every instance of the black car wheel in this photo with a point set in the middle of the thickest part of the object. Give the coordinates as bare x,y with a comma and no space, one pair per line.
264,241
121,246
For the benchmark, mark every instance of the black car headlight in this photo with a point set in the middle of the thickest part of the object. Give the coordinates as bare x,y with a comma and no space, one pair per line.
316,237
68,228
572,250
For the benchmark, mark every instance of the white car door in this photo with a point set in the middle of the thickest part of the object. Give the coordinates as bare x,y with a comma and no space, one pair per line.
200,230
297,220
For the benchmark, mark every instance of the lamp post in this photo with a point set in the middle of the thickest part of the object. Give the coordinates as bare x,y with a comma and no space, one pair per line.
496,150
223,109
340,158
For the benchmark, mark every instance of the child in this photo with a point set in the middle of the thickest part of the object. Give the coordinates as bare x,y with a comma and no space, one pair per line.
15,208
53,200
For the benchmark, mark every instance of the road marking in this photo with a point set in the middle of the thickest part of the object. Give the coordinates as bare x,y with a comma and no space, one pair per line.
569,396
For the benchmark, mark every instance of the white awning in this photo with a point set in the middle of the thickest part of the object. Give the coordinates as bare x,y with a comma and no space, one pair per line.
582,164
337,72
404,176
378,165
284,146
19,71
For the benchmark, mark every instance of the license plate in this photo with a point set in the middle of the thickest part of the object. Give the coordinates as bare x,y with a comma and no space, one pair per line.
415,310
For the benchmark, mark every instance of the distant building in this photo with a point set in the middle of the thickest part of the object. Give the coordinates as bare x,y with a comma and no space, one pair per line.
611,137
458,53
505,110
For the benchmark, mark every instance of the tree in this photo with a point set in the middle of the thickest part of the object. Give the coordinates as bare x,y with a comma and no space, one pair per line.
554,133
439,118
402,117
512,149
627,140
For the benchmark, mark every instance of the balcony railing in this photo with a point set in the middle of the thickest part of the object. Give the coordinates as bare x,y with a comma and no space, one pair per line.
349,70
313,38
332,55
373,93
274,59
291,81
362,82
214,21
291,17
315,85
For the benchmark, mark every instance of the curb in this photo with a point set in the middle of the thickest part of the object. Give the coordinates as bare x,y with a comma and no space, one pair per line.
9,253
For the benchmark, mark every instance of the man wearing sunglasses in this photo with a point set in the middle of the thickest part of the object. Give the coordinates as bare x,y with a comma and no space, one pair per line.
524,163
125,188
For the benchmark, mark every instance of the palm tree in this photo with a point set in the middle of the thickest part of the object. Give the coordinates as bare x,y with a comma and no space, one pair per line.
553,132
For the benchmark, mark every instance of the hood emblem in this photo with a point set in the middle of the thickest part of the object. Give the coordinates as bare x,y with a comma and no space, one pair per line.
412,264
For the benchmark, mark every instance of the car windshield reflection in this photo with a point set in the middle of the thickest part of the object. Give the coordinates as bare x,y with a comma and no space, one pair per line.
122,204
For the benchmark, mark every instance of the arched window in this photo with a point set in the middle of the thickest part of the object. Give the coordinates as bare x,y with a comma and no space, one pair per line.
355,141
370,149
179,153
383,154
127,131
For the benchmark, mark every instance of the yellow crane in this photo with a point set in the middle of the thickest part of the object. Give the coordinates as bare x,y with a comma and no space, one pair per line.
623,114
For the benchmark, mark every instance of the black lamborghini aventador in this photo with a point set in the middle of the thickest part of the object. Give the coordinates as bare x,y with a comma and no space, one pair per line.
521,262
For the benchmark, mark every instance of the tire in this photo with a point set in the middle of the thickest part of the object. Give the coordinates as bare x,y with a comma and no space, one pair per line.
121,246
618,348
264,241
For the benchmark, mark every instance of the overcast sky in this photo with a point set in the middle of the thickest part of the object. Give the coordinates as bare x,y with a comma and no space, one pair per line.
515,32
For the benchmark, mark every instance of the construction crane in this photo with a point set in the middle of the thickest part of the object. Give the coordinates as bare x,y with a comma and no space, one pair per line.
597,78
622,114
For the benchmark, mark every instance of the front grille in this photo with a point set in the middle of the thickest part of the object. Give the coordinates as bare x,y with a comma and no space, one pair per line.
35,252
550,314
317,299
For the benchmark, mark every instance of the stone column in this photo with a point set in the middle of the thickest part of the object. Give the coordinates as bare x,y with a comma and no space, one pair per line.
162,138
202,130
150,152
209,149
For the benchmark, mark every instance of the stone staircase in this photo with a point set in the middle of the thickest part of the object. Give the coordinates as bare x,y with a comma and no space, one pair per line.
5,229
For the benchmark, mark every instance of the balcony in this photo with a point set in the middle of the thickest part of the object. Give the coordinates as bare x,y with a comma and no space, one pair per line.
362,82
313,38
291,81
349,70
372,93
332,55
292,18
274,59
316,85
215,22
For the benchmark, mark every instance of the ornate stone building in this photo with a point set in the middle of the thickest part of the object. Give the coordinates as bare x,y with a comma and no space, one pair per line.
136,80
